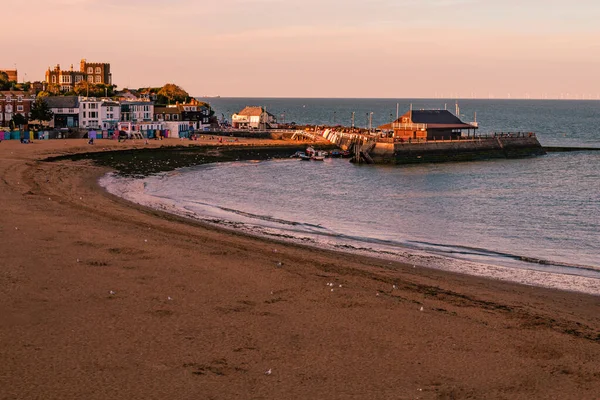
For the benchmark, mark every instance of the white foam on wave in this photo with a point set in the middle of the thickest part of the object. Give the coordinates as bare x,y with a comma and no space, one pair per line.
133,190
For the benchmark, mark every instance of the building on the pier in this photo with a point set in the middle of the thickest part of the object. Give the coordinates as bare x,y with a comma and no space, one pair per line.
421,125
253,118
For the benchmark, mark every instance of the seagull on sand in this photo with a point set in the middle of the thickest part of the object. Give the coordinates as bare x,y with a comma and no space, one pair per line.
268,372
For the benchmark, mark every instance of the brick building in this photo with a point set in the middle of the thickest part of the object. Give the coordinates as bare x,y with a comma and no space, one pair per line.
12,103
12,74
65,80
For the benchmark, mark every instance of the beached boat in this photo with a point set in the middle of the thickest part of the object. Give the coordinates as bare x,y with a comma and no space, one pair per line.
319,155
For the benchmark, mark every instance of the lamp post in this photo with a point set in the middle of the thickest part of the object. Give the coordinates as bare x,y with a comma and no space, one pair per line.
334,118
370,121
352,120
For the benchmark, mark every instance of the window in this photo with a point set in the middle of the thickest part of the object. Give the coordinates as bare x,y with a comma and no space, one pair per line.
78,78
20,99
167,117
90,70
175,117
90,79
59,111
93,114
84,112
8,98
98,70
65,79
93,106
146,115
0,109
53,78
20,108
98,79
109,109
71,111
84,106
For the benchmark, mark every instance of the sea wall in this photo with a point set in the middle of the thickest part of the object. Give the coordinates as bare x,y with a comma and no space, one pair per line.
456,150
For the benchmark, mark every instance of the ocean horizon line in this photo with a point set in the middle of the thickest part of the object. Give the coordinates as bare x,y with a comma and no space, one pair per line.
397,98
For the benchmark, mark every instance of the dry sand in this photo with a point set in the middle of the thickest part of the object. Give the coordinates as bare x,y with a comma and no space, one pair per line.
200,313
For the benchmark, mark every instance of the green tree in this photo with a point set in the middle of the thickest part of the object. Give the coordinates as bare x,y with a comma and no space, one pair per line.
40,110
4,82
18,120
173,93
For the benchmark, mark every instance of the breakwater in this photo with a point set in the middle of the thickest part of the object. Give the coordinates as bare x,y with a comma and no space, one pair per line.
465,149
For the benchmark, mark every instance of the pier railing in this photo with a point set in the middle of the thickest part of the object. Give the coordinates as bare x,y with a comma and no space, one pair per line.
473,138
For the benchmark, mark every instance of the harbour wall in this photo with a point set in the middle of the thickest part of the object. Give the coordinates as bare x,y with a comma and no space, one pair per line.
455,150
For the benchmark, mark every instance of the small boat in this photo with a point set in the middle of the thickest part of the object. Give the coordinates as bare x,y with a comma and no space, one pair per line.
297,154
319,155
339,153
304,156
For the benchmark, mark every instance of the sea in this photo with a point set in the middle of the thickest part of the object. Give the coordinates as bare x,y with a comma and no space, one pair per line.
534,221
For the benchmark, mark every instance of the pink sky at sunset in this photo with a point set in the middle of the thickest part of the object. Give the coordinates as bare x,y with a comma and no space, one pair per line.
327,48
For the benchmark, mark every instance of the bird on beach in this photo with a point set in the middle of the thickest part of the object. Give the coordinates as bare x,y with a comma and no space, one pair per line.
268,372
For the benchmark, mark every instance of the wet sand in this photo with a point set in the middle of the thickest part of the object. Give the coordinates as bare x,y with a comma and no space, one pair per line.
100,298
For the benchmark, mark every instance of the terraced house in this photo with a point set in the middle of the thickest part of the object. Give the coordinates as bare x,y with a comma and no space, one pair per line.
12,103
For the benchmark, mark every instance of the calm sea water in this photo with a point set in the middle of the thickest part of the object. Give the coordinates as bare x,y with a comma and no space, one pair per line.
557,122
534,220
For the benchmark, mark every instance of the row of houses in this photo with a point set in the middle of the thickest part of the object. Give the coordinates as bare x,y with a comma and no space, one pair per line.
127,115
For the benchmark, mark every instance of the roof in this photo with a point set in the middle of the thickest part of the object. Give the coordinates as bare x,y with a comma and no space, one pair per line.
434,119
62,101
251,111
15,93
166,110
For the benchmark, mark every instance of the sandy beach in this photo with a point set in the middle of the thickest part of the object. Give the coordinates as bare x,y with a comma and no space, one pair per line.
101,298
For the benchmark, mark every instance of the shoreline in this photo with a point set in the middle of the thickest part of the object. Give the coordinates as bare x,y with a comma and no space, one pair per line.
525,275
196,311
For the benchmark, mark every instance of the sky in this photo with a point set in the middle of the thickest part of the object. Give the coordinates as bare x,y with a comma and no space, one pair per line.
317,48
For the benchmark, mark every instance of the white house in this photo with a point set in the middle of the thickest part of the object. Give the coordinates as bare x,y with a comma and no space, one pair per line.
137,111
89,112
110,114
253,118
